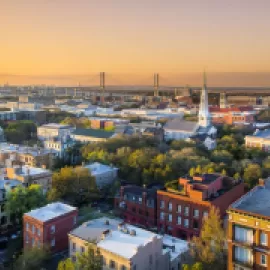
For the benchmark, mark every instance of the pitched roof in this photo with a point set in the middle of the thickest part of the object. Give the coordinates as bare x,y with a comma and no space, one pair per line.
180,124
98,133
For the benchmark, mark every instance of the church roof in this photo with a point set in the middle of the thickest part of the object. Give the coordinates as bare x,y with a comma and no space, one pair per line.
180,124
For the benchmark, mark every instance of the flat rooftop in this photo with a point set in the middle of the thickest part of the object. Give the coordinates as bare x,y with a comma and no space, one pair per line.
27,170
116,240
55,126
21,149
97,168
174,246
50,211
257,201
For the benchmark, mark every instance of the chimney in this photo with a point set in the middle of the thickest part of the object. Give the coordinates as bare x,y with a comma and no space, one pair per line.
261,182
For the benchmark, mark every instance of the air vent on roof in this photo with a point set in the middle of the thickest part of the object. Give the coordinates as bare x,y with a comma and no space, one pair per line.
133,233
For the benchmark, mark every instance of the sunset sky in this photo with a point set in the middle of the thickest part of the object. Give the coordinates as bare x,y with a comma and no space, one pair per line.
53,41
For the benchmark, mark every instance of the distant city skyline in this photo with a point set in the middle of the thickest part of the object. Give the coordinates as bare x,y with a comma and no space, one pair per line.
44,41
192,79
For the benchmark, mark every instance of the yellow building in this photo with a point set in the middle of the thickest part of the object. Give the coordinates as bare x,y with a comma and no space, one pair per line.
249,230
31,175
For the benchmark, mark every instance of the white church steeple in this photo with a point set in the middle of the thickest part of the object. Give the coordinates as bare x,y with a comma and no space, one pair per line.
204,115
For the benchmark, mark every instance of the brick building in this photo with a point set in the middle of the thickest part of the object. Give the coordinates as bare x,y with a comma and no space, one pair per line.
184,203
49,225
233,115
248,230
137,205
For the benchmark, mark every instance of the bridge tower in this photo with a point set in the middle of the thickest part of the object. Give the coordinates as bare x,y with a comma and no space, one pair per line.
156,84
102,87
223,100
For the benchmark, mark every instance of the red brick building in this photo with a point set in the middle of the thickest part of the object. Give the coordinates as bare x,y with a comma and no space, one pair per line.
137,205
233,115
184,203
49,225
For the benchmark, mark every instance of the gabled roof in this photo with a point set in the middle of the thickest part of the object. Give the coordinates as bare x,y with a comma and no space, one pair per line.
180,124
97,133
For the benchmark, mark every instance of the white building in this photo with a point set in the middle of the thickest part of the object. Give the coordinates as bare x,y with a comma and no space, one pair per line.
124,246
104,174
59,146
203,130
50,131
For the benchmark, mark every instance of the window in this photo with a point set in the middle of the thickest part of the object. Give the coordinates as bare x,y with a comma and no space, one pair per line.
74,220
112,264
27,226
151,259
33,229
123,267
243,255
205,214
53,242
186,223
195,224
244,235
162,204
82,249
196,213
73,246
186,210
170,206
27,238
170,217
263,239
38,231
179,208
140,200
179,220
162,215
53,229
263,260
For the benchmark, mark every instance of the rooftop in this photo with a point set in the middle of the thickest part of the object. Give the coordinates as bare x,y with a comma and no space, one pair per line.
256,201
97,133
97,168
27,170
180,124
262,133
9,184
55,126
118,239
50,211
174,245
34,151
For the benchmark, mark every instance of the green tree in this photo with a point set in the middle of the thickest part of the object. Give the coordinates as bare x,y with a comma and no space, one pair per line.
66,264
210,247
21,200
76,185
252,174
195,266
91,259
192,171
32,259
